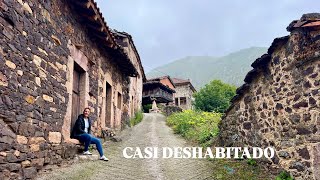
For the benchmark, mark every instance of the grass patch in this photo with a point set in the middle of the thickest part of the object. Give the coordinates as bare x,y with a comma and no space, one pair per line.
284,176
252,162
196,126
138,116
226,169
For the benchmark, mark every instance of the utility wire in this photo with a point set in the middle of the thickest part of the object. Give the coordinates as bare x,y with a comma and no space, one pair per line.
154,69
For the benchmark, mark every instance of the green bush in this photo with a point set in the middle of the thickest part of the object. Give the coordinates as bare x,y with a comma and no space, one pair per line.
146,108
138,116
197,126
284,175
215,96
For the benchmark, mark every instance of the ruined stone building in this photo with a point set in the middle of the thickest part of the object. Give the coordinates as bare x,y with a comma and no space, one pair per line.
57,57
184,93
279,104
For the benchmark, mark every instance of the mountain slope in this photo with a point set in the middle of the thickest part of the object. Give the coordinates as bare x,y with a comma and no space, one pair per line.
231,68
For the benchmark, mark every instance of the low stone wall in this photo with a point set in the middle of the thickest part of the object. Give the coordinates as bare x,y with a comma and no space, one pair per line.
168,110
22,156
279,105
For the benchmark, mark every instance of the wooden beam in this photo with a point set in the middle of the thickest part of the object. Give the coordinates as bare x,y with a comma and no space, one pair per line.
87,5
100,37
99,29
92,18
79,46
84,11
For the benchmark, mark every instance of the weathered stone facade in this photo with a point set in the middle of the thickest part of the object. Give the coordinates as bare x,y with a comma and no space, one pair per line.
184,93
279,105
43,44
136,83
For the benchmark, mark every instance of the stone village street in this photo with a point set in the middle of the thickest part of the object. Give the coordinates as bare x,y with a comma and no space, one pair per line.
152,131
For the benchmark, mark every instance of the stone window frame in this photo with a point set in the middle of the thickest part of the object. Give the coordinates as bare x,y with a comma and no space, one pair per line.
116,122
108,80
176,101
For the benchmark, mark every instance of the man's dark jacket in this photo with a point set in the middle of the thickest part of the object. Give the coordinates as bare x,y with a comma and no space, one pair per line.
79,126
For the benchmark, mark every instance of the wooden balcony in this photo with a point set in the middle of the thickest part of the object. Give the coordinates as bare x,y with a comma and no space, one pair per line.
157,91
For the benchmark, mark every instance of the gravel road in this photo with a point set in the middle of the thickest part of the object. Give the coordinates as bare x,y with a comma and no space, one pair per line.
151,132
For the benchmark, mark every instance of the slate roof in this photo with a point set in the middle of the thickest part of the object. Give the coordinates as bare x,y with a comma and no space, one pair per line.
178,81
99,29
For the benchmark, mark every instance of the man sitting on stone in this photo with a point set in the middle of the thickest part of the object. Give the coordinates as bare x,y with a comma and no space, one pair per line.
81,131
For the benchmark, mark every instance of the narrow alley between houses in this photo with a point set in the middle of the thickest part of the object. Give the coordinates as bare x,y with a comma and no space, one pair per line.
152,131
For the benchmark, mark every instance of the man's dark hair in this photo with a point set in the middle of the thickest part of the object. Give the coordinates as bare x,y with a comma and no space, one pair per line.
87,108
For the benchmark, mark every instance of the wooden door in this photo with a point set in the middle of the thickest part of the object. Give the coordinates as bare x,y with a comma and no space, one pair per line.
75,97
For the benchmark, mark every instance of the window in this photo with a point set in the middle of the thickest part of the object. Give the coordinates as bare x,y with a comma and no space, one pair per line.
119,101
177,101
183,100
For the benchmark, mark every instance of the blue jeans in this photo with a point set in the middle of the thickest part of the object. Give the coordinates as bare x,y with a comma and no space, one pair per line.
88,139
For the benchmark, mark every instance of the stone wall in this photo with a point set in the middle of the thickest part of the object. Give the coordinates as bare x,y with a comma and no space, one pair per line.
136,83
279,105
168,110
39,43
184,91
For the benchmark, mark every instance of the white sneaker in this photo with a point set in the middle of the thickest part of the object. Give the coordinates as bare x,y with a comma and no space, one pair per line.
104,158
87,153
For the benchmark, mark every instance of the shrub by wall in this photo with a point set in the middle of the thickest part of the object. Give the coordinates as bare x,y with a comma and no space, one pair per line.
198,126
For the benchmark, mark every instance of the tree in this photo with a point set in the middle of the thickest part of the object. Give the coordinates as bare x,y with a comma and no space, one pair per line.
215,96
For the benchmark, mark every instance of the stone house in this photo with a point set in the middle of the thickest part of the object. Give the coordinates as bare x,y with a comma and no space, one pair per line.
58,57
136,83
279,104
184,93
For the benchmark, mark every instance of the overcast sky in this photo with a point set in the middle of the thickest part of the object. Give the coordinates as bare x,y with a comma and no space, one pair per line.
167,30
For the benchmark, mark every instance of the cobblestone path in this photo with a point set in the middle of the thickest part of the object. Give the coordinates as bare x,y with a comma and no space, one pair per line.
151,132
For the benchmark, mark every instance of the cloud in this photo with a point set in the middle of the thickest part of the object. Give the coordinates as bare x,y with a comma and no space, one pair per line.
166,30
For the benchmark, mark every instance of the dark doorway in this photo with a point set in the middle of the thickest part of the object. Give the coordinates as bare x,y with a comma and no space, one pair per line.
119,101
132,106
108,104
76,90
